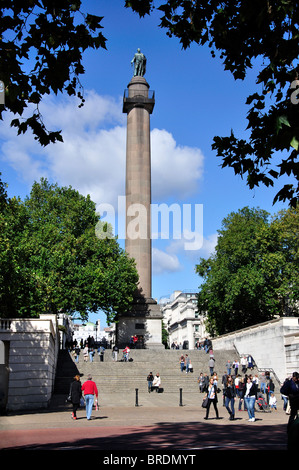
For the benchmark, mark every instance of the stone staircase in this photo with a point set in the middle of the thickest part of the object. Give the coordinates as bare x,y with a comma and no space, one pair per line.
117,377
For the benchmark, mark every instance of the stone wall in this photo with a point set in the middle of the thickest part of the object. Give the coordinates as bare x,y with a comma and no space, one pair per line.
292,352
28,359
273,345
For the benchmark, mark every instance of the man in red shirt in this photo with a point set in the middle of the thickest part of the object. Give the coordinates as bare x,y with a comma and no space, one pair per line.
90,390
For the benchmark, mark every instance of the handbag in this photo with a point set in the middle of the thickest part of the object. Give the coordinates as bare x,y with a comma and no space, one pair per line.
205,402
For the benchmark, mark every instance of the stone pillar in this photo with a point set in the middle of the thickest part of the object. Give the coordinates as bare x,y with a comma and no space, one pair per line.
144,318
138,107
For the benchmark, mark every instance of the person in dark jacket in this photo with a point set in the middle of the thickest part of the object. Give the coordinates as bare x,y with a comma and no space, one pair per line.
229,393
150,379
290,388
76,394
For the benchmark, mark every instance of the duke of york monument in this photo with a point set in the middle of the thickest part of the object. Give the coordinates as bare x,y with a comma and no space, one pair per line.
144,318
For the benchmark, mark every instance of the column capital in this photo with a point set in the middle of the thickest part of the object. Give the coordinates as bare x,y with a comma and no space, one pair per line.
138,95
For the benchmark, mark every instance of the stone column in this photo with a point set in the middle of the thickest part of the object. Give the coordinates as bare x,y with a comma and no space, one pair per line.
144,317
138,107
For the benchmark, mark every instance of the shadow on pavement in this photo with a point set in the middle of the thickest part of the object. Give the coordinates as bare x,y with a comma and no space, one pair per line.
167,437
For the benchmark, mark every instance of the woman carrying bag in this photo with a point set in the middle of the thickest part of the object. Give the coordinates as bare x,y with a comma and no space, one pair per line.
212,398
75,395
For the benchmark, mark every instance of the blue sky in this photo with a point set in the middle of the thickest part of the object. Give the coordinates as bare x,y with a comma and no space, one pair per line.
195,101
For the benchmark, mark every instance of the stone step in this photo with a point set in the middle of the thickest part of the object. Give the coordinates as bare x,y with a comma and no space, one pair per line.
115,376
169,355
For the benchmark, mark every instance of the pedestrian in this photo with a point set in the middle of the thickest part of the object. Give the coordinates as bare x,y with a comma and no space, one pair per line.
290,389
85,353
273,402
207,345
263,383
114,353
285,399
237,382
90,390
75,394
206,382
244,364
250,398
211,364
135,341
187,363
255,379
271,388
201,382
91,354
228,367
250,362
212,398
101,351
223,381
126,353
150,379
240,393
182,362
230,395
236,367
215,378
77,353
156,382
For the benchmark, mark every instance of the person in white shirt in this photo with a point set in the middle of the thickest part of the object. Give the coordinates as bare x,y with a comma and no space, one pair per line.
273,402
244,364
250,397
156,382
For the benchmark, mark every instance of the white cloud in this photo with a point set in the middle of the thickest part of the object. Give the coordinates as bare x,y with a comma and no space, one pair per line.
97,111
93,163
164,262
92,157
176,170
204,249
170,259
209,245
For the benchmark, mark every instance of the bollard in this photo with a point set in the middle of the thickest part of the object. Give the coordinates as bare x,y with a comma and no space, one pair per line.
136,398
181,397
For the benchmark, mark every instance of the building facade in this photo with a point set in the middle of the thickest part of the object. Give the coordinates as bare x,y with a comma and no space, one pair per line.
185,325
82,332
106,337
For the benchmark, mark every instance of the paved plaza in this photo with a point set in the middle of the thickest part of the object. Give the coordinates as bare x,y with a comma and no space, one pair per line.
163,423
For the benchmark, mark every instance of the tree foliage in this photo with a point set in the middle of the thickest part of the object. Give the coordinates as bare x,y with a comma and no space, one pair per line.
42,44
242,31
253,275
51,259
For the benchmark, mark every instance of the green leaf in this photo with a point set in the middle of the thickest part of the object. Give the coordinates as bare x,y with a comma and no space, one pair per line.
294,143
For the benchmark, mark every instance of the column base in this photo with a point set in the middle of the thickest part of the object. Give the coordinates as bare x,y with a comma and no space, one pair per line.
143,320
